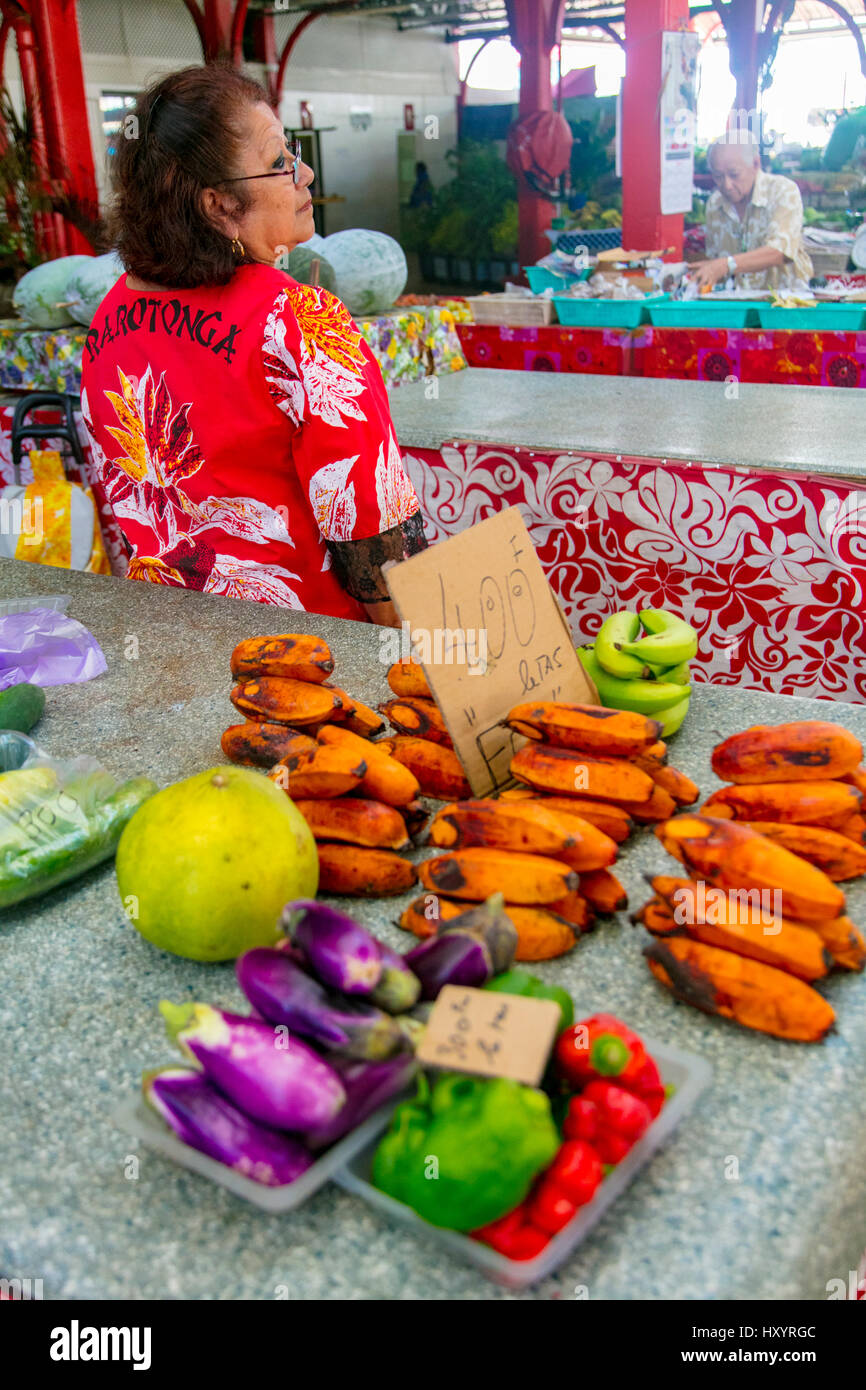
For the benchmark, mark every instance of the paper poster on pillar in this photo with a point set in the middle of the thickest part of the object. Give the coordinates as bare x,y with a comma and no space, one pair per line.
678,112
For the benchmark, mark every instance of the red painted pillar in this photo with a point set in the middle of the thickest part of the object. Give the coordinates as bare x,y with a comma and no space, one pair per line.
742,26
643,226
62,106
217,39
536,29
265,51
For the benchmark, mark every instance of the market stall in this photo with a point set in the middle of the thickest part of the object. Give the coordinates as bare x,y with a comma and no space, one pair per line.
103,1216
740,505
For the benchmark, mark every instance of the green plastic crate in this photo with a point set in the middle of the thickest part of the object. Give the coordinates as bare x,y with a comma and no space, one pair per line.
604,313
704,313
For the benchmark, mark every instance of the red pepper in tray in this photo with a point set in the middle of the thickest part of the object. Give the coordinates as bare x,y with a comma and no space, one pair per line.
570,1182
513,1235
607,1117
601,1048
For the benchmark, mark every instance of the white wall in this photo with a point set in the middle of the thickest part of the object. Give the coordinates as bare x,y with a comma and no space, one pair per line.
341,63
338,63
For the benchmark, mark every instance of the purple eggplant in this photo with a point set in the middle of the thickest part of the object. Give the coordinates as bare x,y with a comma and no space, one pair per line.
368,1085
273,1078
450,960
340,952
467,950
489,923
283,993
399,987
207,1121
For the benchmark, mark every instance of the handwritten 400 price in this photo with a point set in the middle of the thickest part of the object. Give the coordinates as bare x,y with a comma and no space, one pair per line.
505,628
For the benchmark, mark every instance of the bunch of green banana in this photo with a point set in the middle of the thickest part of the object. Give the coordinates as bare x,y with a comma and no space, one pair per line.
640,662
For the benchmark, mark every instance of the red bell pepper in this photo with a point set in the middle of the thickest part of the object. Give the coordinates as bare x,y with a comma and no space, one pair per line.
513,1235
570,1182
599,1048
609,1118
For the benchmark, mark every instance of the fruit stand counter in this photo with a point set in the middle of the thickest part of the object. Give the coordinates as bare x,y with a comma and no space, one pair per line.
741,506
761,1192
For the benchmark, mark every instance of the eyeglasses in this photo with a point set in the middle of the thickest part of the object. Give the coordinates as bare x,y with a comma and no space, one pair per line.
294,172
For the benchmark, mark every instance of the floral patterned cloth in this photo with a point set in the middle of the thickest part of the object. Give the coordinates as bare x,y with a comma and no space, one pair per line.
770,567
774,217
781,357
236,431
36,360
408,344
414,343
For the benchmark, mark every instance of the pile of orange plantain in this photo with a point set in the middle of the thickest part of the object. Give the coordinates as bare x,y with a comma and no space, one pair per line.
548,845
761,917
317,742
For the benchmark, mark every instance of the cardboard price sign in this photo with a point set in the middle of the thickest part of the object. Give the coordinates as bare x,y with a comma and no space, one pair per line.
483,622
490,1034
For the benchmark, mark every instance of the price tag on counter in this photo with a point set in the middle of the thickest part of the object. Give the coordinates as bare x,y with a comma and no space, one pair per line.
490,1034
481,618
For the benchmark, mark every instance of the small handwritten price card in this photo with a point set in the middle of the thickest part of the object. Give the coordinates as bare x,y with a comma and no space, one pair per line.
484,623
491,1034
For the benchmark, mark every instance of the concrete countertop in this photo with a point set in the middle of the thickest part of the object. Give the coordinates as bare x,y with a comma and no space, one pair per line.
802,428
80,1023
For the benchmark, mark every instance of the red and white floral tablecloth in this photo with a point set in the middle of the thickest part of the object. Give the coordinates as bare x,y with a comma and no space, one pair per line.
770,567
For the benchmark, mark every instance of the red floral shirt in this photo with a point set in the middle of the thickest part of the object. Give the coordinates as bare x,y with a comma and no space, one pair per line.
236,429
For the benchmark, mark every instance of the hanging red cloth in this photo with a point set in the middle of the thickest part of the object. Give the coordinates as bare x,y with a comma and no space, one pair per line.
539,146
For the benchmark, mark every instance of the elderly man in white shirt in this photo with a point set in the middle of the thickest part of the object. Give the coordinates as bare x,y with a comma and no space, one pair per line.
754,223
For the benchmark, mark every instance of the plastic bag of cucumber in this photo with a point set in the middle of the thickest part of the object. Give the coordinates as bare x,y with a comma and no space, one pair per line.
640,662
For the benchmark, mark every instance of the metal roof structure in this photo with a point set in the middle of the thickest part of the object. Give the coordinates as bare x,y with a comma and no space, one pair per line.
487,18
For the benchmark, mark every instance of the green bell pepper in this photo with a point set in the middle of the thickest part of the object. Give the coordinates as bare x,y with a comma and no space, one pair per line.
465,1152
521,982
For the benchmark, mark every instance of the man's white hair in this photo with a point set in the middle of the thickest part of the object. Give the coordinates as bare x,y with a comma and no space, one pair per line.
735,139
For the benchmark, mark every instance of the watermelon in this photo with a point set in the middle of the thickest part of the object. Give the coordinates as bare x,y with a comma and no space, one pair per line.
300,267
370,267
89,285
40,293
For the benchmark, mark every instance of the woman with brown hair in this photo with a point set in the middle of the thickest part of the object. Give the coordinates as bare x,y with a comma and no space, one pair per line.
239,422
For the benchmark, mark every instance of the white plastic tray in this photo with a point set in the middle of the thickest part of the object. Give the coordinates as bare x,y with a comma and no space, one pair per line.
688,1073
133,1116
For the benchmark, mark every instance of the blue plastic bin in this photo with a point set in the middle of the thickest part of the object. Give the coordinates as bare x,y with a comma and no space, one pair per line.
541,278
604,313
706,313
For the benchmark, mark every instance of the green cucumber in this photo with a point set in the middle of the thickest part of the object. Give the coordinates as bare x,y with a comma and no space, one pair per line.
21,707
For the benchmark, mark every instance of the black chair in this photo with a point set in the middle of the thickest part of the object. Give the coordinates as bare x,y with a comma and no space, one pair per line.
64,430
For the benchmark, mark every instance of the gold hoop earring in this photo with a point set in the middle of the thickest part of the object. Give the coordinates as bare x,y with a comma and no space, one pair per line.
238,248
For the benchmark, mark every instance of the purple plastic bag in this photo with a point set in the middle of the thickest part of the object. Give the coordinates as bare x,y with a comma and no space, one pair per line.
47,648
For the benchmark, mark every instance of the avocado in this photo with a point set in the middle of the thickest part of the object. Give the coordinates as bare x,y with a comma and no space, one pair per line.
21,707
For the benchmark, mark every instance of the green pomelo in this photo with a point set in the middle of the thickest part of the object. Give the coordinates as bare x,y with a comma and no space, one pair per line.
40,295
301,267
206,866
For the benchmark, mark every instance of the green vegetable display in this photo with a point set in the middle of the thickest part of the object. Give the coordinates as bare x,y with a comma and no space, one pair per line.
521,982
465,1152
52,831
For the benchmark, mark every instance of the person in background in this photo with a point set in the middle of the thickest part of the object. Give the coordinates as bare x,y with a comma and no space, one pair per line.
239,422
422,193
754,226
